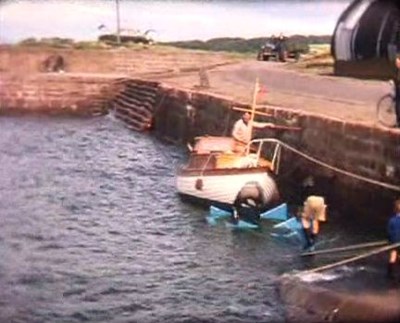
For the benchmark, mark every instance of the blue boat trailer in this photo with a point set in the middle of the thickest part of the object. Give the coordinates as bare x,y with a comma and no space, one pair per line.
288,229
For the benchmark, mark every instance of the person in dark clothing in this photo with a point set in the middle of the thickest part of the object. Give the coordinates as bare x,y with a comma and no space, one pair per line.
246,211
248,204
54,63
394,237
396,81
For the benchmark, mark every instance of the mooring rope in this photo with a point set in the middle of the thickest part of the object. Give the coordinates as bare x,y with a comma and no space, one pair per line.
346,261
341,171
347,248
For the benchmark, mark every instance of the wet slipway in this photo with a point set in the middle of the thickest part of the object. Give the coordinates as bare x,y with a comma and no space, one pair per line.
92,230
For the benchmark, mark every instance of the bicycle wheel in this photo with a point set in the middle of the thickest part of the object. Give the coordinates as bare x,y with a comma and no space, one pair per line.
386,111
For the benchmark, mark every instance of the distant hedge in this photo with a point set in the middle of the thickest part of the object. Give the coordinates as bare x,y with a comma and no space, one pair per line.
56,42
294,43
297,43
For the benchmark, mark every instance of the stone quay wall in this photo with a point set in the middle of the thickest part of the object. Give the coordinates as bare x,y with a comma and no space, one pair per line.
54,94
370,153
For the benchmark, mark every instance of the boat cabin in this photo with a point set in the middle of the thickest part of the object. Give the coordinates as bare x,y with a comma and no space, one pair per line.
219,153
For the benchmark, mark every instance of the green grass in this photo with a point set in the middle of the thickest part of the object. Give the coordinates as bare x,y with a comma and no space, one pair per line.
237,47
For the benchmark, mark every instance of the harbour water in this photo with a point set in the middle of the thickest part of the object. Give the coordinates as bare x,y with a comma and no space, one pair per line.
92,231
168,20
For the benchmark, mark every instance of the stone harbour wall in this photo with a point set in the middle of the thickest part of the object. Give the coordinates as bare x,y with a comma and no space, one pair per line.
54,94
367,157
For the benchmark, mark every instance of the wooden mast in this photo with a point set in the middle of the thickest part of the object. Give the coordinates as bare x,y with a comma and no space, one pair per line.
253,106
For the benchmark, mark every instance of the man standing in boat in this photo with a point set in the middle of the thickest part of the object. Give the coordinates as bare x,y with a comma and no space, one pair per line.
242,131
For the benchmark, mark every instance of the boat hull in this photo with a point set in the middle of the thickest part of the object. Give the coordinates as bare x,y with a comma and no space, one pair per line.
223,188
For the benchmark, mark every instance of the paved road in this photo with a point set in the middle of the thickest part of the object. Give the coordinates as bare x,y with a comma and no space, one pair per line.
339,97
277,78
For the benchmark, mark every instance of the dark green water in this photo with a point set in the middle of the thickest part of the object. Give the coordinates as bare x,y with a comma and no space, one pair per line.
92,231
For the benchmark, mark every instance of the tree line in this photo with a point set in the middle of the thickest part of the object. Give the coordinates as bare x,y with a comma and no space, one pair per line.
252,45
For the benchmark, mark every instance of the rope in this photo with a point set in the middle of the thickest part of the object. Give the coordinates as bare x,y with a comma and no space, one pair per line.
346,261
205,165
341,171
357,246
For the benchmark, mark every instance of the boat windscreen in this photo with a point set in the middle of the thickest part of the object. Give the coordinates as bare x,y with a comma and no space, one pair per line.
206,145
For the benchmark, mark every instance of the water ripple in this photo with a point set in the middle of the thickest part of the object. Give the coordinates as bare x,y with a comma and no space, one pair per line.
92,230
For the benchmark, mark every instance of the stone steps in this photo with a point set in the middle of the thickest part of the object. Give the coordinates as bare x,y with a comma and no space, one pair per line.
135,103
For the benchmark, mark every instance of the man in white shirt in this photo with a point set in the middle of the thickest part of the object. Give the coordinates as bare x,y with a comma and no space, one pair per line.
242,131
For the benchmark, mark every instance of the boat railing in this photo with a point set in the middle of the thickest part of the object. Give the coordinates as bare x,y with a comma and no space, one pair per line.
259,152
275,153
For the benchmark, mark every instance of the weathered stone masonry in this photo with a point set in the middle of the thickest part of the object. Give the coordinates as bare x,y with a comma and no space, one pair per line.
54,94
350,146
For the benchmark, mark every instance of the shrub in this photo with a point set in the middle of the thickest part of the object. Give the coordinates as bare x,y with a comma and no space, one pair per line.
296,43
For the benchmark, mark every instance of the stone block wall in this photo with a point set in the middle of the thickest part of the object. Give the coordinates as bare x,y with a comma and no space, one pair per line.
368,151
182,115
54,94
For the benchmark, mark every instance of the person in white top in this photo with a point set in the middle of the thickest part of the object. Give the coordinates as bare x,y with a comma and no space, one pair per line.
242,131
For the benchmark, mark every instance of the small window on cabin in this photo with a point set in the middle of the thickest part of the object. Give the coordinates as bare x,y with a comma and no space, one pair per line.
206,145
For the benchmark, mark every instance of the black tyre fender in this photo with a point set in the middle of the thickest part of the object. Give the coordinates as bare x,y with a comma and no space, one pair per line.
251,194
248,203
